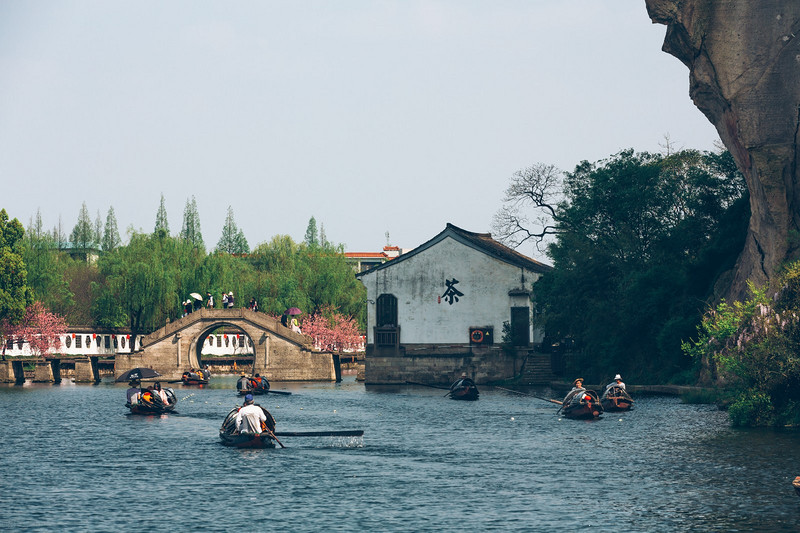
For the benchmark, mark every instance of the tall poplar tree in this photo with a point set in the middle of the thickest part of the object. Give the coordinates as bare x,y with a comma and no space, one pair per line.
162,223
232,240
98,230
312,237
111,238
82,236
190,230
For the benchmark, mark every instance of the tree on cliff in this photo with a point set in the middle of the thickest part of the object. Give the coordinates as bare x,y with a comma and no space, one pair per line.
639,241
14,294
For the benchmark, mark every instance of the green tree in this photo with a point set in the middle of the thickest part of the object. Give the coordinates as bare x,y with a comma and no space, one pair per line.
97,233
111,238
312,237
190,230
232,240
162,221
639,241
14,294
82,236
45,267
139,284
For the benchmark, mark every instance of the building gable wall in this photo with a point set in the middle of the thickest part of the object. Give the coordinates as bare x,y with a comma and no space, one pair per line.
426,312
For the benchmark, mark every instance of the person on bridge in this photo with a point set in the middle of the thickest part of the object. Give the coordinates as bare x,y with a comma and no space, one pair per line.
250,417
230,300
253,305
209,301
224,300
243,383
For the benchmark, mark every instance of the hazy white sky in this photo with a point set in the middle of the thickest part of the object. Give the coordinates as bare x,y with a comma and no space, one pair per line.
371,116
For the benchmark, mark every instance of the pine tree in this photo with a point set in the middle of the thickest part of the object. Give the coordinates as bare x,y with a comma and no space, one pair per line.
312,238
97,233
323,240
190,231
162,223
232,240
82,236
111,232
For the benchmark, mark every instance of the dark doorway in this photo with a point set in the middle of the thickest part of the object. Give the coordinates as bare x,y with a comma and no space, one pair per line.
520,326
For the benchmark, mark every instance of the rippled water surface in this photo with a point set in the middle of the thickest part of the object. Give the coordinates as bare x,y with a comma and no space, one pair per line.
73,459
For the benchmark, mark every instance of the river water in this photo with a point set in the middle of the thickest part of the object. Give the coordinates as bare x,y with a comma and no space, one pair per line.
73,459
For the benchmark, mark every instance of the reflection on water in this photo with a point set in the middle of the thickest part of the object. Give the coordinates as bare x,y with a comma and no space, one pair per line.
74,459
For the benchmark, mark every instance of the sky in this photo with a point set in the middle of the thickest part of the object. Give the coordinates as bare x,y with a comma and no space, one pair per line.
374,117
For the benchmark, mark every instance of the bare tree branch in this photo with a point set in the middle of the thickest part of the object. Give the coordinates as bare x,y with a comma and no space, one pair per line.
529,207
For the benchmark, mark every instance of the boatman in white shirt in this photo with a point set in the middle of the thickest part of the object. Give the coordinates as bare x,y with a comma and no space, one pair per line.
616,383
250,417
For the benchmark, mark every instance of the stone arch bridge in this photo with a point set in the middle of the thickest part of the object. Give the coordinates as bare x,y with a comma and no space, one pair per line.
279,353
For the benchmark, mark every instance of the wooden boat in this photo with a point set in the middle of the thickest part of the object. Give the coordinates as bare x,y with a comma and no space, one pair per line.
582,405
193,379
230,437
464,389
150,404
616,399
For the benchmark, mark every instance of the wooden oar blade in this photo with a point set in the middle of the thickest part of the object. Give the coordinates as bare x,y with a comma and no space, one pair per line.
287,393
346,433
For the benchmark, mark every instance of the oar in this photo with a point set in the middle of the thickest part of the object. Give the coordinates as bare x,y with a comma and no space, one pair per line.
287,393
346,433
531,395
426,385
271,434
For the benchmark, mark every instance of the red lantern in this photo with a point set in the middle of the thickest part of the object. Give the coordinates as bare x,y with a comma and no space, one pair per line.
94,335
73,335
127,337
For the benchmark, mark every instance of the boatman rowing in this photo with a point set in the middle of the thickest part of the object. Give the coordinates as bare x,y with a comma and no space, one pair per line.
250,417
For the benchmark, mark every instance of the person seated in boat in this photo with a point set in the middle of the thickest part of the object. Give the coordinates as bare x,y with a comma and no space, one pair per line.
206,372
577,388
250,417
261,382
243,383
616,383
148,395
462,383
161,394
133,392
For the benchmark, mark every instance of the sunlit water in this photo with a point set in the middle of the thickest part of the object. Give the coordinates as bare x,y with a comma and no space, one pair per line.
73,459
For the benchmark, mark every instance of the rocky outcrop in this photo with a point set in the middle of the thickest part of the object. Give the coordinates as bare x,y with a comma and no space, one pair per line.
744,72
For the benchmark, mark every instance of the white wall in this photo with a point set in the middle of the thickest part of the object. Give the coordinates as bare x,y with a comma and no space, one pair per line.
418,282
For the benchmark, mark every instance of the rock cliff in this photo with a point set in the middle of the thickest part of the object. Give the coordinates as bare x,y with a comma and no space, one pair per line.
744,75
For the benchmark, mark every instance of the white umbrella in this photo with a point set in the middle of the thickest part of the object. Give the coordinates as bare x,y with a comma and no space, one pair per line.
196,296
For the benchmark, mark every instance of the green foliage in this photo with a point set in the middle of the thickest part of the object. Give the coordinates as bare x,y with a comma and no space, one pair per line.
46,268
232,240
755,344
312,236
111,238
14,294
752,408
162,221
640,241
190,230
83,235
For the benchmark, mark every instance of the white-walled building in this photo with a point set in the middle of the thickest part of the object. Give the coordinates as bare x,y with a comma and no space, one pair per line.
448,298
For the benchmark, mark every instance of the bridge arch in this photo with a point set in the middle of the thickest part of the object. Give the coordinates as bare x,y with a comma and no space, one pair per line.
278,352
199,343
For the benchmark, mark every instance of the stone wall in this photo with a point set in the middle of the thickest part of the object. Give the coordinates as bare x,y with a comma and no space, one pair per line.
440,365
